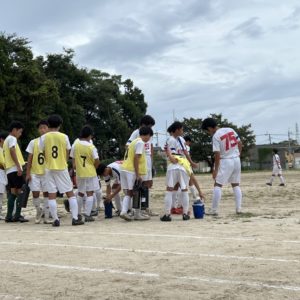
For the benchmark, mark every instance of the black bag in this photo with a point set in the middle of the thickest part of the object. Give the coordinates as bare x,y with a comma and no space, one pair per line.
24,195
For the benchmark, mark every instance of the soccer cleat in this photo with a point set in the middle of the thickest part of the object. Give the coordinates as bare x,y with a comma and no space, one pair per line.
269,184
79,217
281,184
9,220
56,223
67,205
126,217
94,213
150,213
176,211
117,213
166,218
212,213
38,216
141,217
88,219
48,221
77,222
20,219
238,211
185,217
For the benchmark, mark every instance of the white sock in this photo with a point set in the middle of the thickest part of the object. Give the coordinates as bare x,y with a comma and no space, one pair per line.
179,198
185,201
174,199
238,197
217,194
53,209
272,179
126,204
168,202
89,205
46,207
36,203
194,192
74,207
118,202
281,179
1,201
98,195
80,204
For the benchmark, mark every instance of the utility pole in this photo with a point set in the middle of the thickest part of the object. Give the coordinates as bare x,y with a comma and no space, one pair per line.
156,133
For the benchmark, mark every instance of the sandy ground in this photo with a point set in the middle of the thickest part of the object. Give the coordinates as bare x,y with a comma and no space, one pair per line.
252,256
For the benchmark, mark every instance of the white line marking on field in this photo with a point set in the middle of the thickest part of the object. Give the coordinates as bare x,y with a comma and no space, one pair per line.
179,236
153,251
153,275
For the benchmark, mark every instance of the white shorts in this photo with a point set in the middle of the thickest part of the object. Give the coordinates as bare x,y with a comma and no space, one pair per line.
229,171
127,180
38,183
90,184
2,188
277,171
175,176
148,176
58,181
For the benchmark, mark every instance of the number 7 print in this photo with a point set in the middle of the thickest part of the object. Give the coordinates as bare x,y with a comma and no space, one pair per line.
230,140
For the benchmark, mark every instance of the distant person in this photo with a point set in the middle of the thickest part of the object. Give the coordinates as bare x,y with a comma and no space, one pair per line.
227,148
277,170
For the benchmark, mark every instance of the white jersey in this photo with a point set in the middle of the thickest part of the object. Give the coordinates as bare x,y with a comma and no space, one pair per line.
176,146
225,141
116,172
276,161
148,145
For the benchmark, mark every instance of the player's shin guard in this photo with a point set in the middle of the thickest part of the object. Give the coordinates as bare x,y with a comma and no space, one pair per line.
281,179
238,198
74,207
168,202
126,204
89,205
217,194
53,209
185,201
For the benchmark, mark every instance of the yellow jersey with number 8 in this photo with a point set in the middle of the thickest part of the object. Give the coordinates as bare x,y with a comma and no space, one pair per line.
38,159
55,151
84,160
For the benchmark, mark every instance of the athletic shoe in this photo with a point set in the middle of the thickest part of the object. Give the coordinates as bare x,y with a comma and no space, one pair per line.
176,211
281,184
166,218
140,217
56,223
79,217
67,205
77,222
150,212
126,217
88,219
94,213
9,220
21,219
185,217
48,221
211,213
269,184
117,213
38,216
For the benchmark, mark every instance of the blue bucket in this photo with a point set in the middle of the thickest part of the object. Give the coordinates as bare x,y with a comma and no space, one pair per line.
199,210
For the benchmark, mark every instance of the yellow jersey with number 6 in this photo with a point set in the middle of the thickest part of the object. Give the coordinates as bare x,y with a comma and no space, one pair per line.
84,160
38,159
55,151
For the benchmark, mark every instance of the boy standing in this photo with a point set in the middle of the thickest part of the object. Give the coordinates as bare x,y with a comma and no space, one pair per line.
56,147
85,161
277,170
3,177
35,174
133,169
227,148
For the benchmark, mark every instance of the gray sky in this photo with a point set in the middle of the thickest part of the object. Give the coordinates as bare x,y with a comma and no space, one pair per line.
239,58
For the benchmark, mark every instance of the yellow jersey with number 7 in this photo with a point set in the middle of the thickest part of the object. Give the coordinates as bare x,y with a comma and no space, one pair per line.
84,160
55,151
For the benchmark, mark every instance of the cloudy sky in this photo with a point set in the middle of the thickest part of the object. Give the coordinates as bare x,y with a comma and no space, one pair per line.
190,57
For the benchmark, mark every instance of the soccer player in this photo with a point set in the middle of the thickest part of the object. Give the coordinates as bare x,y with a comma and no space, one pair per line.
227,148
35,175
56,147
146,121
112,172
14,163
3,177
85,161
277,170
133,169
178,171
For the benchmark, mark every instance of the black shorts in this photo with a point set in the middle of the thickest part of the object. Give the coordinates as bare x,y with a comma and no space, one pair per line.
15,181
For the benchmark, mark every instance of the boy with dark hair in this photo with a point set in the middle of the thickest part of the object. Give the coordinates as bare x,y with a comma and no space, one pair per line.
35,174
227,148
3,177
277,169
85,162
146,121
56,147
14,163
133,169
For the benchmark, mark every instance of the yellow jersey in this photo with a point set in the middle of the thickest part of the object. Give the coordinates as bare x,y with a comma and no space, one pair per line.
2,161
9,163
56,145
84,160
128,163
38,159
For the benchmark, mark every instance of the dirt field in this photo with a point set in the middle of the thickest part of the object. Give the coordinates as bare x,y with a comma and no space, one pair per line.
253,256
